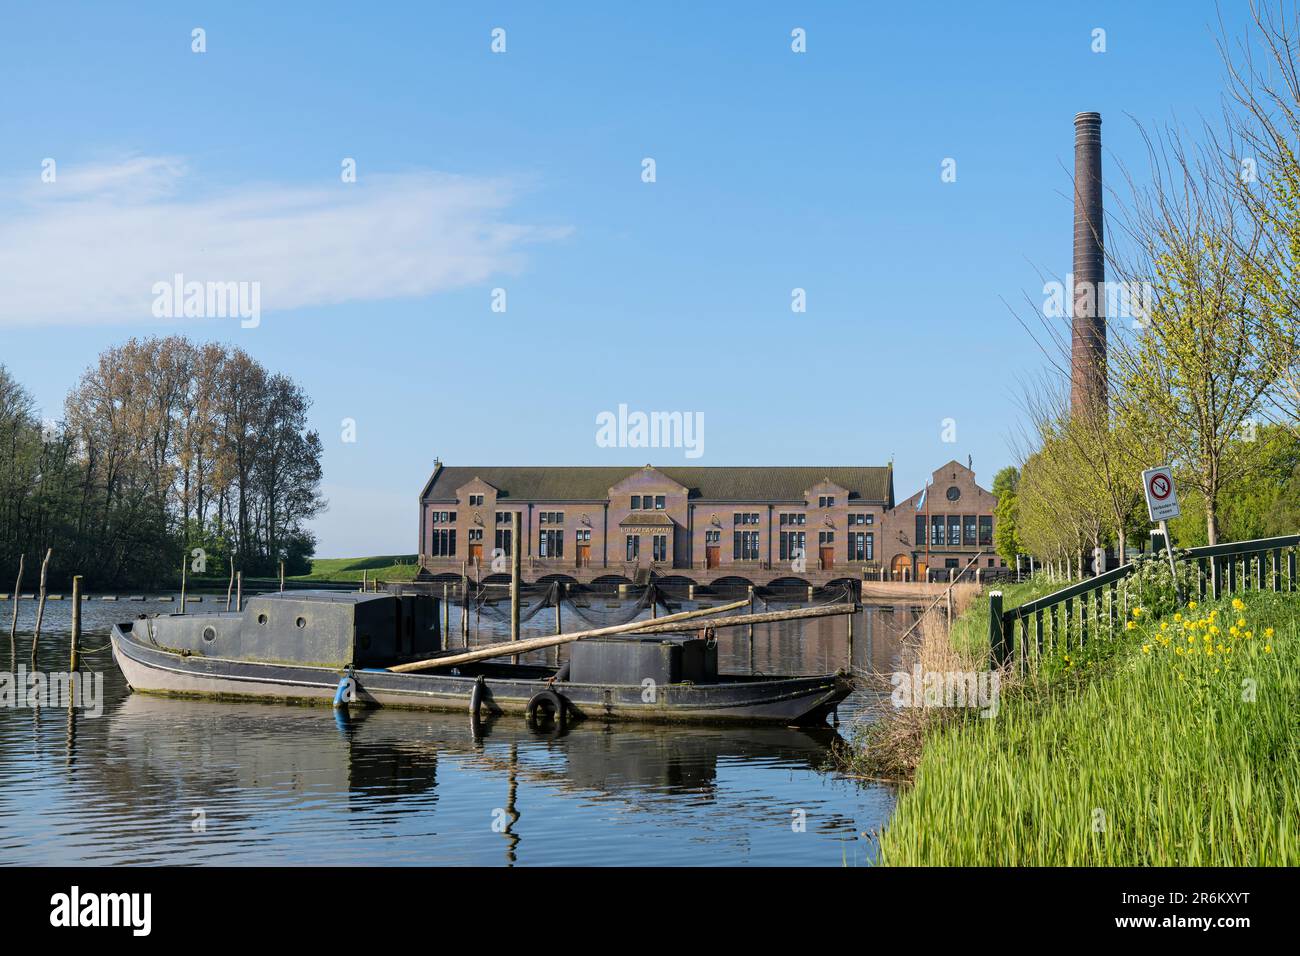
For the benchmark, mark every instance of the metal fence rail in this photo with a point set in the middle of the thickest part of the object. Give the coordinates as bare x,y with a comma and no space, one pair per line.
1099,606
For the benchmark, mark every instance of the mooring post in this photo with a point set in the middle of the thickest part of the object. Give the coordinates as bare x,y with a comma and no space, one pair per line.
40,603
182,585
76,620
751,630
516,569
13,627
281,577
997,647
239,591
446,614
853,598
654,603
464,602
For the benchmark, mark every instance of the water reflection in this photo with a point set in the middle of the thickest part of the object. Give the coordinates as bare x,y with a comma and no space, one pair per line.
169,781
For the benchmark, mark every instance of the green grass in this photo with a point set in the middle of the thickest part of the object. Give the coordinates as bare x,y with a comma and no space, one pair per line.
1130,755
385,567
970,632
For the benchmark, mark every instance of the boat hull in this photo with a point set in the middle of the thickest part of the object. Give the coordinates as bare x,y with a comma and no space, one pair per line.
791,701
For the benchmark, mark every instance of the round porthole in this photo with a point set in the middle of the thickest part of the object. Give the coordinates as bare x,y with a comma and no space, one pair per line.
301,622
209,633
261,619
954,493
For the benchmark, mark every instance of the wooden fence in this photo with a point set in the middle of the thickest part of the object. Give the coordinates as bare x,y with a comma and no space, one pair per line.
1099,606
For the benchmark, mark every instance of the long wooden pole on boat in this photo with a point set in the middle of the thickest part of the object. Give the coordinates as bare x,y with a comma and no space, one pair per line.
488,651
748,620
231,586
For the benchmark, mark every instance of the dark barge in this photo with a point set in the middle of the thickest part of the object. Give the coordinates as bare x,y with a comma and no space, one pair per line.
330,647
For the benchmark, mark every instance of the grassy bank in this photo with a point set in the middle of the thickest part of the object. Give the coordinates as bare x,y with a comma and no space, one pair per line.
1176,745
385,567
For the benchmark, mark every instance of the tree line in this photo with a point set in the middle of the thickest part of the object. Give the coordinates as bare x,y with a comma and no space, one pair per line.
165,447
1204,372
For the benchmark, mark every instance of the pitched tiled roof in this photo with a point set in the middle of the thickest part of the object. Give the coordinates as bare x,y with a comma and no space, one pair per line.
738,484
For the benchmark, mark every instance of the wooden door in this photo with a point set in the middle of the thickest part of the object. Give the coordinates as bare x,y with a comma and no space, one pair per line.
475,554
712,556
902,567
828,556
584,555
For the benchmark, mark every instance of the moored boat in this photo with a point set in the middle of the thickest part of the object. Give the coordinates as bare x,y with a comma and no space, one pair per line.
318,647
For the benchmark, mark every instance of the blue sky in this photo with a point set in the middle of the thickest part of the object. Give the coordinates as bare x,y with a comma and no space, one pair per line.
523,171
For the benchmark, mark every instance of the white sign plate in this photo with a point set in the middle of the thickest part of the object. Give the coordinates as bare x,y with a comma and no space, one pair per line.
1162,499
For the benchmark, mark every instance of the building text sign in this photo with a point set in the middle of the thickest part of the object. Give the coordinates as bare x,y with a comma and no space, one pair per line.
1162,499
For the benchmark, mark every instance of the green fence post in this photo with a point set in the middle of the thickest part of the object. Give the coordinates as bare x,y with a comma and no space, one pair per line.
997,643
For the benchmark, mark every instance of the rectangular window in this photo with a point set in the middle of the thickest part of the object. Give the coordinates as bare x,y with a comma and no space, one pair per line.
659,503
633,547
968,533
954,531
660,545
936,531
826,501
745,546
861,546
826,537
860,519
503,540
986,531
550,543
793,544
713,537
636,502
443,543
919,540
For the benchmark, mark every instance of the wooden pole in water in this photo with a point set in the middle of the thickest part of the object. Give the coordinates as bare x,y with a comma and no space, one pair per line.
502,649
76,620
231,586
751,630
464,602
654,603
13,627
239,591
40,604
516,570
559,591
446,615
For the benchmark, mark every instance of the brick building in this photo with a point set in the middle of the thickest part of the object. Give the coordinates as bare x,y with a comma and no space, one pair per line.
751,524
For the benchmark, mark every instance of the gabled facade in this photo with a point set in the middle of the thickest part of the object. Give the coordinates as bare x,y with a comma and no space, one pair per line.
758,524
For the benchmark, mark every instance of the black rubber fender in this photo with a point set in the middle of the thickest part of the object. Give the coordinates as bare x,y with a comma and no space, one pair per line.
476,700
549,699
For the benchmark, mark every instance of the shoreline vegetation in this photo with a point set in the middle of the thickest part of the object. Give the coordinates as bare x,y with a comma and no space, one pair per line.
1172,745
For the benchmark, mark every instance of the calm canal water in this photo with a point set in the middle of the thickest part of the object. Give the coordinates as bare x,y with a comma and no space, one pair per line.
160,781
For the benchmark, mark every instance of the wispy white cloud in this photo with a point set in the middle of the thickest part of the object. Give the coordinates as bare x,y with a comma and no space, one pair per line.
90,246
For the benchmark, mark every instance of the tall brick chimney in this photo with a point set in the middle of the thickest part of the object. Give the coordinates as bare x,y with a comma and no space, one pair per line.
1088,327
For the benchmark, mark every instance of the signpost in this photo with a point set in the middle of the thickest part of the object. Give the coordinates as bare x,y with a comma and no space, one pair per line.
1162,504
